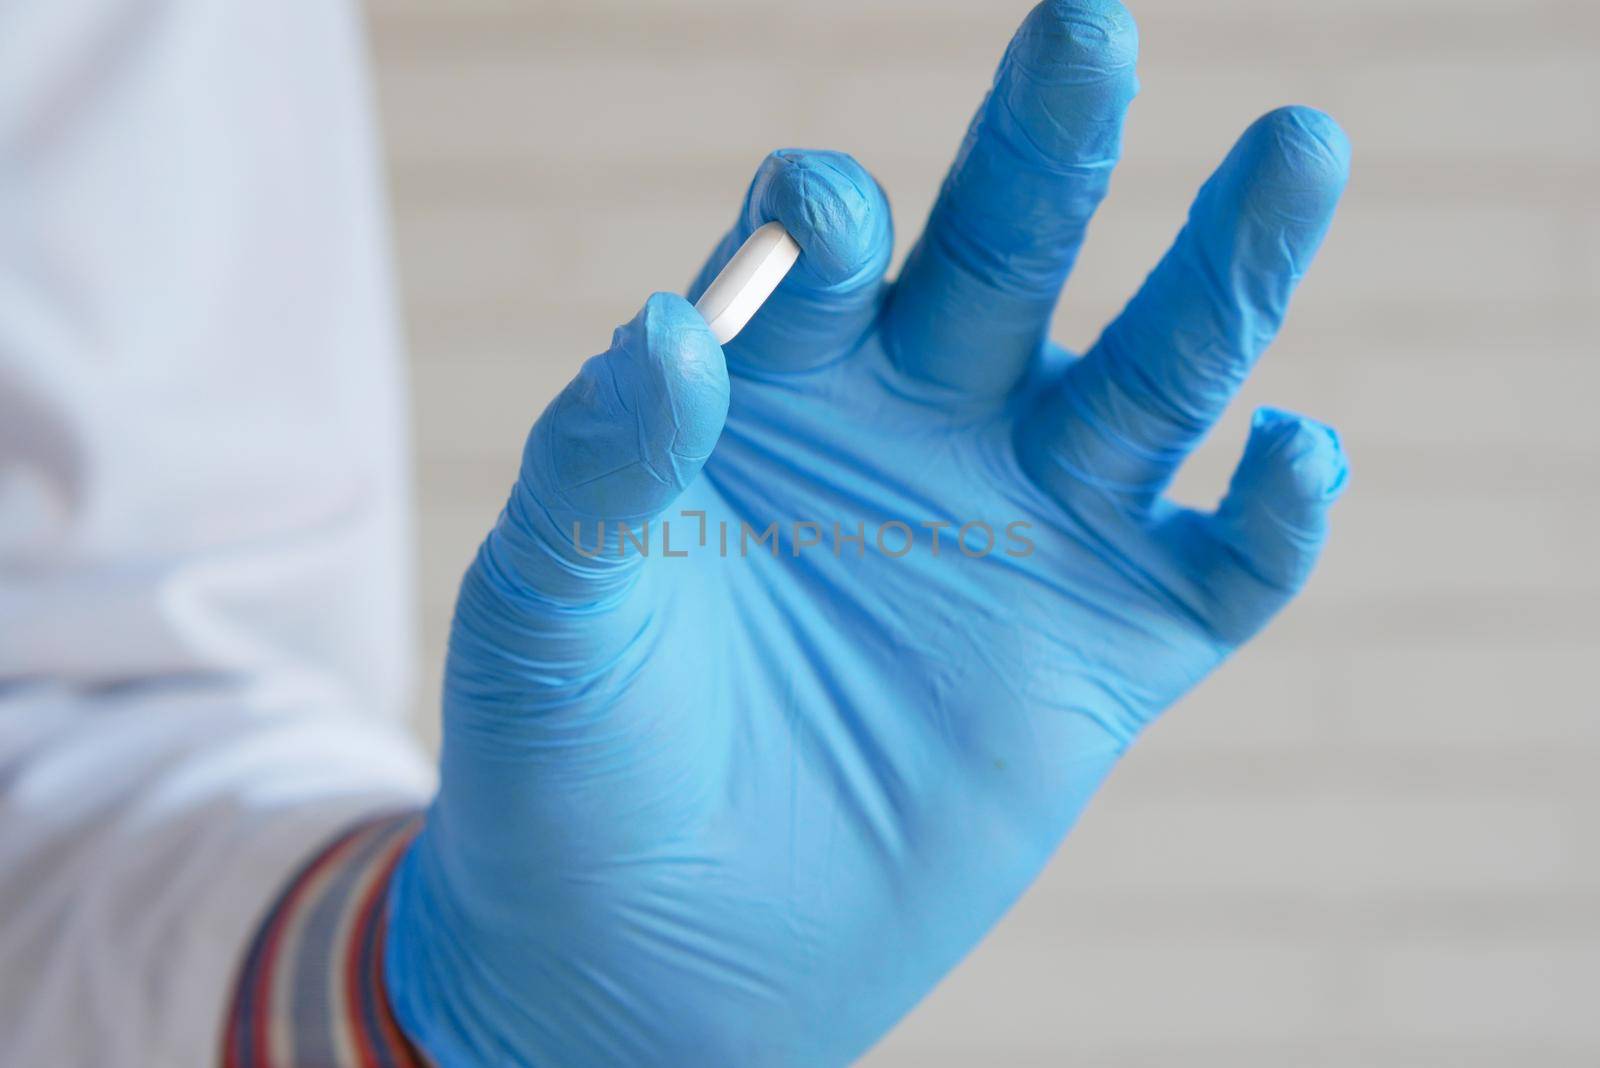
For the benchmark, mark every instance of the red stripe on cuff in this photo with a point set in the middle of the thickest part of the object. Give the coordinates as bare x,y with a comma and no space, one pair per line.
261,1019
404,1052
363,976
369,854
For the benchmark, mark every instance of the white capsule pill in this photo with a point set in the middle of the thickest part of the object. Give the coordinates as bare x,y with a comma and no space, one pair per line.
747,280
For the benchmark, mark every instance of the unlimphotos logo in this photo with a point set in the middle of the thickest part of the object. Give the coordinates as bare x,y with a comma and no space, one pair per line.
892,538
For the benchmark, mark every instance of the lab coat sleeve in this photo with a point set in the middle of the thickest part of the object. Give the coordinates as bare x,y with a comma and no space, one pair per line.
203,551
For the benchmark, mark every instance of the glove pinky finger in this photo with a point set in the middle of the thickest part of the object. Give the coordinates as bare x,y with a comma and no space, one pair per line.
1274,519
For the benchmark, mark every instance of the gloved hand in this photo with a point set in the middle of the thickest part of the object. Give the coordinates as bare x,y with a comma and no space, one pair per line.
745,808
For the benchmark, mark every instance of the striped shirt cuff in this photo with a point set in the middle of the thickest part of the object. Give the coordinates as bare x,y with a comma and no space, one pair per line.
311,991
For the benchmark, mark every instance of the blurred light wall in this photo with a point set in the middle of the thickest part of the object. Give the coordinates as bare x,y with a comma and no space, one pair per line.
1372,839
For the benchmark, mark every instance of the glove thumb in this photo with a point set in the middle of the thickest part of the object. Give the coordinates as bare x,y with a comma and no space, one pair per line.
612,451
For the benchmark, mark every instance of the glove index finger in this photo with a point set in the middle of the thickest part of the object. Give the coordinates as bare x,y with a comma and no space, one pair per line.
839,216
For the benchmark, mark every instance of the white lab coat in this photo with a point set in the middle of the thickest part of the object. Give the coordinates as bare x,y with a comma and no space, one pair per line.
204,588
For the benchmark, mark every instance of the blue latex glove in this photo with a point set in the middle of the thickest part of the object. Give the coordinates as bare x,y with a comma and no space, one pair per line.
747,810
